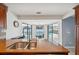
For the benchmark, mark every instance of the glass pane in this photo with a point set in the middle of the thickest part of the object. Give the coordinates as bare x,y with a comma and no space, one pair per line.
55,31
56,28
27,31
39,31
50,32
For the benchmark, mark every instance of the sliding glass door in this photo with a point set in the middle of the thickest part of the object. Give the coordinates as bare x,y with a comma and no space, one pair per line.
56,33
27,31
50,32
39,31
53,32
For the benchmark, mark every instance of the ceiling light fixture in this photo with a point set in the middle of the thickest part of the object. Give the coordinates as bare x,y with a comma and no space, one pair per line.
38,12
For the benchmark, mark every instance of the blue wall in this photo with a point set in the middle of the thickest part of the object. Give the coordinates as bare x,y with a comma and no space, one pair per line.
68,29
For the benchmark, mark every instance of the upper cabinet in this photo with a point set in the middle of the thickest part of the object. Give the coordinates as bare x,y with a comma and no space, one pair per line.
77,29
3,16
77,14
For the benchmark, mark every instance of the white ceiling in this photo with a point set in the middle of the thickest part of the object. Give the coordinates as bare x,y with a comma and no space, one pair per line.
44,8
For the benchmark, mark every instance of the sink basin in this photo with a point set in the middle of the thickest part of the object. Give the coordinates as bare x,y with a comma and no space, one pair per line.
22,45
19,45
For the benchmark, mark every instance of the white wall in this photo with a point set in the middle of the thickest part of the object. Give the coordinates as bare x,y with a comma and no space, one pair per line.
12,32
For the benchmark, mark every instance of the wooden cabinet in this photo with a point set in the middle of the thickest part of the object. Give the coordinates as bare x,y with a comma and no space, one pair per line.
77,39
3,23
77,29
77,16
3,13
2,44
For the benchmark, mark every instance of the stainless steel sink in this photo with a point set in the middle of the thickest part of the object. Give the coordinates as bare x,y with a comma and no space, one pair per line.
22,45
19,45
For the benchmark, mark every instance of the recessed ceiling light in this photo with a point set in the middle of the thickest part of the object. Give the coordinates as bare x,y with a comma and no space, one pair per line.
38,12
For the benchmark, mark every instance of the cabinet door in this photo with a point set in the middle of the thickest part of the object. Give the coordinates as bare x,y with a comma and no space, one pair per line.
2,44
77,40
77,15
2,16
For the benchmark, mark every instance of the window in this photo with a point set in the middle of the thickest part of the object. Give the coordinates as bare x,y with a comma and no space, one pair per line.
53,32
39,31
27,31
50,32
56,29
